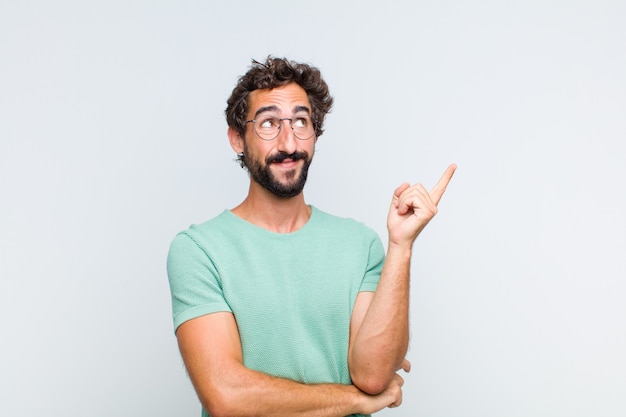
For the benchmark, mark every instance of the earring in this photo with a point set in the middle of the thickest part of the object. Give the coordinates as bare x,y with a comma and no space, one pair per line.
240,159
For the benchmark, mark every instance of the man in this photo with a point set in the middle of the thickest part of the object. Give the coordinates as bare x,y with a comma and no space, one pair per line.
281,309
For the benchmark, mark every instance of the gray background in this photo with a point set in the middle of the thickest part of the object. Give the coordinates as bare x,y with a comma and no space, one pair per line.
112,139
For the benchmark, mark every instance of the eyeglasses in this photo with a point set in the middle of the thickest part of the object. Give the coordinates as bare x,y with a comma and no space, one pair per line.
268,127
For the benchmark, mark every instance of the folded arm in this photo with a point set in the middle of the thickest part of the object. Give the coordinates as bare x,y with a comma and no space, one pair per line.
211,349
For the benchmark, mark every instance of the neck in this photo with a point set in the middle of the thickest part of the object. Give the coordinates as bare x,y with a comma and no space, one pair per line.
276,214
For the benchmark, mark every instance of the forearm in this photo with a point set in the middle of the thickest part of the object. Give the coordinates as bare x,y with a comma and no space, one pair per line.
380,346
244,392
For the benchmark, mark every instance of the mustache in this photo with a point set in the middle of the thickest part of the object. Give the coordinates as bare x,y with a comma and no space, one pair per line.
281,156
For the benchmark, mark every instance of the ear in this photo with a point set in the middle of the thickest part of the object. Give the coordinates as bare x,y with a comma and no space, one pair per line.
235,139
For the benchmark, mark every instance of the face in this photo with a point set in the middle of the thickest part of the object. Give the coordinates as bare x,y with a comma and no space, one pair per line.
279,165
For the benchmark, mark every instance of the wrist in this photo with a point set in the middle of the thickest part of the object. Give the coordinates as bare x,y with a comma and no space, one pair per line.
356,400
362,402
401,249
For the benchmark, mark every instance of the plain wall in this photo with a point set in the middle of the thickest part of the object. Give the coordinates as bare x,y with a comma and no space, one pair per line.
112,139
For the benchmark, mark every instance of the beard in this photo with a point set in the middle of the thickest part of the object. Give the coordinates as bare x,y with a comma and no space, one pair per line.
262,174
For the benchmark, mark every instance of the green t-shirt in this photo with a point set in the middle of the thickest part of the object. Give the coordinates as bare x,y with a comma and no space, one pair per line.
292,294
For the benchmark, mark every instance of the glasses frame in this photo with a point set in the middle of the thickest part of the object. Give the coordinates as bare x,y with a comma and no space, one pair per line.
280,127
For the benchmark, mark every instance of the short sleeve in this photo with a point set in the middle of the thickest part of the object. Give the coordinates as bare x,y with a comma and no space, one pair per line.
375,262
194,281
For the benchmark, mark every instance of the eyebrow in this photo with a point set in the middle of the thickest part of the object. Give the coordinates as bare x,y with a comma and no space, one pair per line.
296,109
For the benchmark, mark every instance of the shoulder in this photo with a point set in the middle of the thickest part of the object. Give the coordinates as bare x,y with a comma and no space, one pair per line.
216,225
198,236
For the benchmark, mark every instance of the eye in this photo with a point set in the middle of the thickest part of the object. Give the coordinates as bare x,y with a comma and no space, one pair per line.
268,123
301,122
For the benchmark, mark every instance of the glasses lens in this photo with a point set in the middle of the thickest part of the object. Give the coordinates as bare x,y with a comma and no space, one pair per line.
268,127
303,127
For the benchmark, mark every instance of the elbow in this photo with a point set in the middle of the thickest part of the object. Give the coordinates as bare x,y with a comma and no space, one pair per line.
370,384
217,405
218,412
214,411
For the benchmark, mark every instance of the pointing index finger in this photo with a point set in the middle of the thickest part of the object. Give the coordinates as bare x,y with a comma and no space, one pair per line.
437,192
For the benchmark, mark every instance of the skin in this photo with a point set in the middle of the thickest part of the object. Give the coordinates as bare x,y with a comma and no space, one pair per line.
261,207
210,344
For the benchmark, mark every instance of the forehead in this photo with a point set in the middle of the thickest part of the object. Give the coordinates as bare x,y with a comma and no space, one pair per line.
283,99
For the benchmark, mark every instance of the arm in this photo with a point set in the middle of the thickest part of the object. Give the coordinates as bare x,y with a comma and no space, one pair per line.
379,330
211,349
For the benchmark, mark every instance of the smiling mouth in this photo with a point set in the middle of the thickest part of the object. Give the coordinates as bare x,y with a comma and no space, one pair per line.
287,163
285,157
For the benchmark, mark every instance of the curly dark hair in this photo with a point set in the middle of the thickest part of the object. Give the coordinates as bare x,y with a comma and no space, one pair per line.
277,72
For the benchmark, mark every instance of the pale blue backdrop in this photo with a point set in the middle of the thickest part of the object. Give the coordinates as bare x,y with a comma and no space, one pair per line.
112,139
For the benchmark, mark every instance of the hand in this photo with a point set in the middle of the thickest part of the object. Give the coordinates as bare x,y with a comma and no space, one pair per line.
412,207
405,366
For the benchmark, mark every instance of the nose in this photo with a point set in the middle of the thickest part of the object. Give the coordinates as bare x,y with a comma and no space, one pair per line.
286,140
